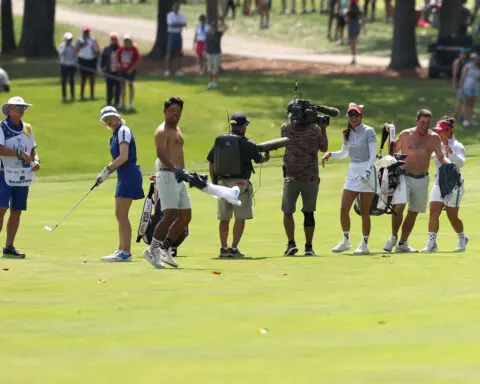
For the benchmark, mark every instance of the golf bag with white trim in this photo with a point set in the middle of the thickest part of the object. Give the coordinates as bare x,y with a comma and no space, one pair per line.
151,216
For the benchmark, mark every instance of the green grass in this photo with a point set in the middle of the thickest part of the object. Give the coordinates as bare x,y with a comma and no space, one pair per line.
308,31
329,318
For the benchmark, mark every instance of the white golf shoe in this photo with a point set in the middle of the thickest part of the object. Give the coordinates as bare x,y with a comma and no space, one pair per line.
462,244
117,256
430,247
166,257
391,242
405,248
344,245
362,249
153,258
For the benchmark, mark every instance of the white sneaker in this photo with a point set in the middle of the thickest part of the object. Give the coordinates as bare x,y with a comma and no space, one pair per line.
462,244
166,256
153,258
344,245
214,85
362,249
405,248
431,247
391,242
117,256
179,73
166,73
210,85
466,123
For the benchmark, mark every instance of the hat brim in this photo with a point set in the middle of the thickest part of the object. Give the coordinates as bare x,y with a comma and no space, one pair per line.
109,114
6,105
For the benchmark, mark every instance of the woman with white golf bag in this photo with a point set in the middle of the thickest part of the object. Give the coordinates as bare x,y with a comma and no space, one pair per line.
455,152
129,183
359,144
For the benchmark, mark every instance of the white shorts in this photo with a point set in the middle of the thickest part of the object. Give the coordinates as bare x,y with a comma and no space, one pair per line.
354,182
172,195
451,200
412,191
213,63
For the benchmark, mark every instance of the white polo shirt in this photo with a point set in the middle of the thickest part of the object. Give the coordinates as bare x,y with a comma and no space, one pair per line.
175,18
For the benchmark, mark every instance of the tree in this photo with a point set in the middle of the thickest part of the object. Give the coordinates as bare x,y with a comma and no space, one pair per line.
212,11
8,34
38,29
404,46
159,49
450,17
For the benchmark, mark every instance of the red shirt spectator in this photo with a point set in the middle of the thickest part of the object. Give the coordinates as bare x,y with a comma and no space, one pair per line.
128,55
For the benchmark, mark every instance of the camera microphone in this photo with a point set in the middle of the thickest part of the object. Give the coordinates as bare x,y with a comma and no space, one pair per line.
334,112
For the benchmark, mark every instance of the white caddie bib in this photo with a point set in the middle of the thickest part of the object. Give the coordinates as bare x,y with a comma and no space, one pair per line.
16,174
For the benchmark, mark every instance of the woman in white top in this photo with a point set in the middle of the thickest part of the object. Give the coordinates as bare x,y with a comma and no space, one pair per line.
455,152
87,51
200,42
359,144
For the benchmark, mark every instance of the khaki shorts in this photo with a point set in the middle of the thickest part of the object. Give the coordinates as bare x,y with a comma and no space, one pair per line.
412,191
293,188
243,212
213,63
172,195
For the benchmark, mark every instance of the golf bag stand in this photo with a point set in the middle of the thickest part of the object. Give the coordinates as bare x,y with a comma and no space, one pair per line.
151,216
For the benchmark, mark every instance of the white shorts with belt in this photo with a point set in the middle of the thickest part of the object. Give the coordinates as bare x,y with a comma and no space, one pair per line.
172,194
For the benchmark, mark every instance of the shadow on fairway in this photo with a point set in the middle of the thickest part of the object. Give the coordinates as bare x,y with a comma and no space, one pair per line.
243,258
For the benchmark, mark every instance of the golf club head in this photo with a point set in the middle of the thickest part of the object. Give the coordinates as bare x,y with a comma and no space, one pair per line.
49,229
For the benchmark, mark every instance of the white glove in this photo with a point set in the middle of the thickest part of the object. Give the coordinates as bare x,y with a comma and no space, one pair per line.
103,175
366,176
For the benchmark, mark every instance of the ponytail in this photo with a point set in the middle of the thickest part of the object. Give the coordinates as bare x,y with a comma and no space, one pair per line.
346,132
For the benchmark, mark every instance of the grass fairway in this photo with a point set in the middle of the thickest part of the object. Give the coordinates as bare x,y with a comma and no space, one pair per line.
330,318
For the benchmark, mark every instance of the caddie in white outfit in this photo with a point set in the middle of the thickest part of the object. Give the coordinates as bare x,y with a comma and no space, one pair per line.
19,160
455,152
360,143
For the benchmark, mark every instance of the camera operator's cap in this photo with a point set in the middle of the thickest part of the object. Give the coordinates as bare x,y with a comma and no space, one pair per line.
355,107
15,100
443,125
239,119
67,36
108,111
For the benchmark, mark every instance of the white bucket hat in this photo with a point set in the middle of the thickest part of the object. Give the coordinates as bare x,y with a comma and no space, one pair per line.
15,100
108,111
68,36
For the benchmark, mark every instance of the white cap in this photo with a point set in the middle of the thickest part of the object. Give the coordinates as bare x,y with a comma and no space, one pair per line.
108,111
67,36
127,37
15,100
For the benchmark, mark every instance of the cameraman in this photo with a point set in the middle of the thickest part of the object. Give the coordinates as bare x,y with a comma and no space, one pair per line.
308,135
231,165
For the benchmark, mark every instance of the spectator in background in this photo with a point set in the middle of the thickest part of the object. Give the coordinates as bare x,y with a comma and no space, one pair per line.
200,42
469,83
264,10
331,16
128,56
175,23
4,81
457,69
68,66
354,20
341,9
388,11
365,9
214,52
110,65
87,52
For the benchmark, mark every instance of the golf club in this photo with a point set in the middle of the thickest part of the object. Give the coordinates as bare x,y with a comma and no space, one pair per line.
51,229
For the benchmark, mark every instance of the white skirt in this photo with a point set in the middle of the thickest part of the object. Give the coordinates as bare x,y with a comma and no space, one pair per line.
453,199
354,182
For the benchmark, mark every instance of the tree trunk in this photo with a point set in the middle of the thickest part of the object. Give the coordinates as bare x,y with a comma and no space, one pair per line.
212,11
38,29
8,33
450,15
404,46
159,49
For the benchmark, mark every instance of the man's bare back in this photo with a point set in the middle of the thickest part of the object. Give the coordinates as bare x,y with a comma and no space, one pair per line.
169,144
418,148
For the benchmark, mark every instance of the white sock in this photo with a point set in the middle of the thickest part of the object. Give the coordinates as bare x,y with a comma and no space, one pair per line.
155,244
365,239
461,235
346,235
432,236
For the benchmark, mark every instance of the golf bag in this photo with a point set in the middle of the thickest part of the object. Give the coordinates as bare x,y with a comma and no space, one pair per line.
151,216
389,172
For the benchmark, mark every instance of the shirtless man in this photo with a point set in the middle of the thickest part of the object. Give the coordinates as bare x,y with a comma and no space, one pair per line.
418,144
174,197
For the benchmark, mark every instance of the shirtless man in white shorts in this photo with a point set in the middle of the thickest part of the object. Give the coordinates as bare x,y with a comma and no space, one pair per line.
174,196
418,143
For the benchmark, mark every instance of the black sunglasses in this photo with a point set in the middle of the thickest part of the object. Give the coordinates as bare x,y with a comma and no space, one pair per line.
353,114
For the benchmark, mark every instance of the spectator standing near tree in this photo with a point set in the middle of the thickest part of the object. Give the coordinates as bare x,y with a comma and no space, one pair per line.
354,20
68,66
175,24
87,52
110,66
214,52
128,57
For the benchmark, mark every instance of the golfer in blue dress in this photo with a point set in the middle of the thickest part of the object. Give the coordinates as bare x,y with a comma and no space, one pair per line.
129,184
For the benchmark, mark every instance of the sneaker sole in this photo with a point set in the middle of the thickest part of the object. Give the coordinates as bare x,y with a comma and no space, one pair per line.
291,252
309,254
169,262
340,251
152,262
117,261
13,257
360,253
